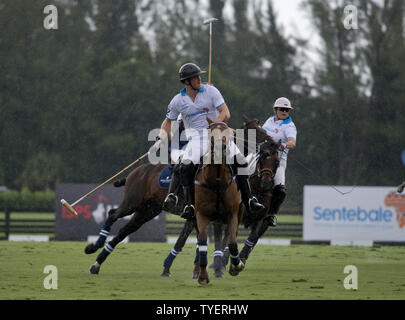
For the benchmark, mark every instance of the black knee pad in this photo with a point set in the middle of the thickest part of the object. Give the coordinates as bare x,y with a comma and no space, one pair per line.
280,191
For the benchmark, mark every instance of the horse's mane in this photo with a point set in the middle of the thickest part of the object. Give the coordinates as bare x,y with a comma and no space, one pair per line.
261,134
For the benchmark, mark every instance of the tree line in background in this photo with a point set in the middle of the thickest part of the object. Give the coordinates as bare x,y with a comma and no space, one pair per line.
77,103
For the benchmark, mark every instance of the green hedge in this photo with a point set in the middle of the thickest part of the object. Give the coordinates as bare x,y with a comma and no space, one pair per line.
43,201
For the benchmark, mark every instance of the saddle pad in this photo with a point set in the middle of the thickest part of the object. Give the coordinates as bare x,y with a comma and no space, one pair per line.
165,177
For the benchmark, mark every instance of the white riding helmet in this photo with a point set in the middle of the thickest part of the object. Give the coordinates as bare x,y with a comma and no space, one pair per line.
282,103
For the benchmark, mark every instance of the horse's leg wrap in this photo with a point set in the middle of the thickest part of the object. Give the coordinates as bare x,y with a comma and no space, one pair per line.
106,251
170,258
181,241
197,255
247,248
105,231
225,257
234,253
202,247
218,254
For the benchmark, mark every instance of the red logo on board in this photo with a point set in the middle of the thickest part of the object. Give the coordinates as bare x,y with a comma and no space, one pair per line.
398,202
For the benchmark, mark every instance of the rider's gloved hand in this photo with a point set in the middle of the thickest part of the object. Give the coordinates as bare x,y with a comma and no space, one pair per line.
156,145
283,146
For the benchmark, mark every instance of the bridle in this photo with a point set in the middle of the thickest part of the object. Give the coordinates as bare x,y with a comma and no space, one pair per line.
263,154
219,186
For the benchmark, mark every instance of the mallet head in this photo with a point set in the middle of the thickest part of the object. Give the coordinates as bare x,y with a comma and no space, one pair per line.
68,206
210,20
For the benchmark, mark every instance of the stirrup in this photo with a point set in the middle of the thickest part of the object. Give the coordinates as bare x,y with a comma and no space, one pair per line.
188,215
167,199
257,203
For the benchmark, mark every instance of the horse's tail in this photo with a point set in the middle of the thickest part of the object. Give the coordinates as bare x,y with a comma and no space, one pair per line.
119,183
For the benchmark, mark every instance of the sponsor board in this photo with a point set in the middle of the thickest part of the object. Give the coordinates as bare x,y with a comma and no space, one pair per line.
93,211
365,213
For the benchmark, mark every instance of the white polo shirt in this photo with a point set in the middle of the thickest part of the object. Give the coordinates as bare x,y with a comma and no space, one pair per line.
193,113
281,129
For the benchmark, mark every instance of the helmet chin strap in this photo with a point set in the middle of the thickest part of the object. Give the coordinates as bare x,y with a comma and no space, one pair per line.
189,83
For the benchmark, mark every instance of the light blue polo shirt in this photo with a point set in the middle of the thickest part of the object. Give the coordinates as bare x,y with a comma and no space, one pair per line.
193,113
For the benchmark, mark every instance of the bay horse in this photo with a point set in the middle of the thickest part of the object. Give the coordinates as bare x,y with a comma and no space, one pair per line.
143,198
217,199
261,182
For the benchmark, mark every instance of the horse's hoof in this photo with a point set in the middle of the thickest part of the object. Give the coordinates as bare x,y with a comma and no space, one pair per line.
243,260
234,270
203,281
196,271
218,274
90,248
166,273
95,268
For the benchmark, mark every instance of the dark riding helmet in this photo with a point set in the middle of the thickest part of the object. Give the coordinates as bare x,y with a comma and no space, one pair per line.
189,70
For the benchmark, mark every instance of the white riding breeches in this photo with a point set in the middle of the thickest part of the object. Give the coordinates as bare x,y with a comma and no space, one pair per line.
279,177
199,145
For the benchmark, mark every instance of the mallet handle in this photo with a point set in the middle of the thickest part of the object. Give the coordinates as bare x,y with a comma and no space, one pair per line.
209,67
104,183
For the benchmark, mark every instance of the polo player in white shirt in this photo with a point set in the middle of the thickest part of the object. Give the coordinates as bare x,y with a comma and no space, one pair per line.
196,102
280,127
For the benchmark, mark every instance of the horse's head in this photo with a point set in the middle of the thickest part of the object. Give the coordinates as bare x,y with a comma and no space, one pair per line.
267,149
220,134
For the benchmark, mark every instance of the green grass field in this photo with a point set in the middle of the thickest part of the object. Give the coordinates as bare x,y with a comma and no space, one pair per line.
133,271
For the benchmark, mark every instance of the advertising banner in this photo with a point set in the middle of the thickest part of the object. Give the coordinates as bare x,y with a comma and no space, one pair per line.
92,213
364,213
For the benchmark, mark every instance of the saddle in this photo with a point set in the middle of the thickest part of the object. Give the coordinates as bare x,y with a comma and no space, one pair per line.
165,177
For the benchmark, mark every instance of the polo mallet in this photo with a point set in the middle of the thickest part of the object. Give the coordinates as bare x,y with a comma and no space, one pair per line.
70,206
210,21
401,187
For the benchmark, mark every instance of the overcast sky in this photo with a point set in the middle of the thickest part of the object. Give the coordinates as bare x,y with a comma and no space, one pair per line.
296,22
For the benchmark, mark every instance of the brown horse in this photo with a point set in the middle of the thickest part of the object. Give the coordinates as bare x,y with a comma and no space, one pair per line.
143,198
261,181
217,198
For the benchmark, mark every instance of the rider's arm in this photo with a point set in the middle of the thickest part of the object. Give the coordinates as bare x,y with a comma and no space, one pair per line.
165,128
224,113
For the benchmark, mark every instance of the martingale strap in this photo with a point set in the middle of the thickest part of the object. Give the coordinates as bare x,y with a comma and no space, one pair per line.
218,184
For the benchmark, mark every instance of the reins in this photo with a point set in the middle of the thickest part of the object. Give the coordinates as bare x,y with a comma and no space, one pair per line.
219,186
245,126
318,177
